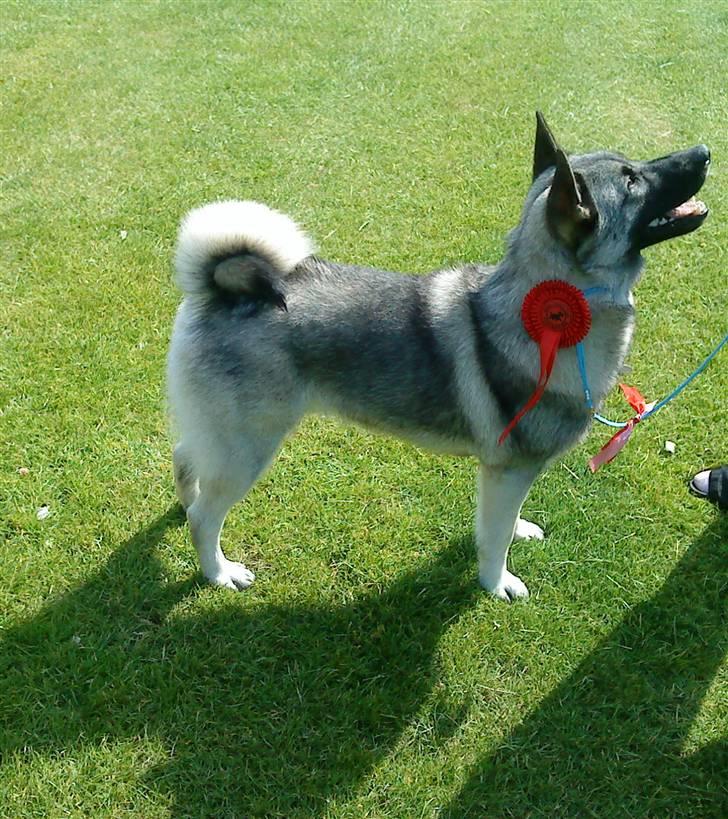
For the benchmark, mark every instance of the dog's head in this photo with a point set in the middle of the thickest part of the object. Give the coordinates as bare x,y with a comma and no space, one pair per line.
605,209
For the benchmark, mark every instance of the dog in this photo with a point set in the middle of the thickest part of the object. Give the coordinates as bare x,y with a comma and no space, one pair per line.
269,332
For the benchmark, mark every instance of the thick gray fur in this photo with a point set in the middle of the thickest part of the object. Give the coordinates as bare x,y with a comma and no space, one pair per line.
441,359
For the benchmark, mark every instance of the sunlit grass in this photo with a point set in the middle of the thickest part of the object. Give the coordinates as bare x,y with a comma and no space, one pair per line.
364,674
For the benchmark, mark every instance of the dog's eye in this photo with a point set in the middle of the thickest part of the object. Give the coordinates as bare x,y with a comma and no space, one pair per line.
631,177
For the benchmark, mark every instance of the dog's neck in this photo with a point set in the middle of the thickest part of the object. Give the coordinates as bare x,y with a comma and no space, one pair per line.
601,296
618,280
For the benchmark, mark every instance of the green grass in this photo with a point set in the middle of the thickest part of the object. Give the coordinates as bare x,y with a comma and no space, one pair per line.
364,674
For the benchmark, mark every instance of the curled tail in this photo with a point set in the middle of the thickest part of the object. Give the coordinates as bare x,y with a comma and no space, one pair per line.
238,248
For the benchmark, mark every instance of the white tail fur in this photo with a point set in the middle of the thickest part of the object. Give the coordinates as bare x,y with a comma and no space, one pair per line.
210,234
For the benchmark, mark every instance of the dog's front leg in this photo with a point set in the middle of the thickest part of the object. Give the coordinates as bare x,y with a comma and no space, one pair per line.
501,492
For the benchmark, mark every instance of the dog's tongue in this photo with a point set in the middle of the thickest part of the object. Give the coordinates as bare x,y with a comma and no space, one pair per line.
693,207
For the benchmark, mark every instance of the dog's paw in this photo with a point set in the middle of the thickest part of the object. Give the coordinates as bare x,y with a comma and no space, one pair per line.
525,530
508,588
233,576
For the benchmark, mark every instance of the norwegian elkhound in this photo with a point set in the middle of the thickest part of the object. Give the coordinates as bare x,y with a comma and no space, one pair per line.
268,332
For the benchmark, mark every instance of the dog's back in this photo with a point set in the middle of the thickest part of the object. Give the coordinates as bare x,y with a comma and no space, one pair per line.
268,332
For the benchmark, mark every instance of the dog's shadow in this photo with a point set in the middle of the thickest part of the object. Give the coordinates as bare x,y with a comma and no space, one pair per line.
263,710
245,701
612,738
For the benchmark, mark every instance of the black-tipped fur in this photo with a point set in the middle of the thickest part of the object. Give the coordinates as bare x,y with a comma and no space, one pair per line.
250,275
545,148
441,359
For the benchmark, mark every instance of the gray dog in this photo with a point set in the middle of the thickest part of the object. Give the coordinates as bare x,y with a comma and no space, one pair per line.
269,332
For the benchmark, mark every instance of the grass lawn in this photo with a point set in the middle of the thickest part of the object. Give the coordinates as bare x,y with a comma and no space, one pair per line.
364,674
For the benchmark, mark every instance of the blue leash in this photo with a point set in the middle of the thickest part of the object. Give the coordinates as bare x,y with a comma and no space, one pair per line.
693,375
581,360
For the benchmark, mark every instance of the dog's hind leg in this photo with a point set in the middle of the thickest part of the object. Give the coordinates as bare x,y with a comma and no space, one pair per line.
501,492
218,491
186,483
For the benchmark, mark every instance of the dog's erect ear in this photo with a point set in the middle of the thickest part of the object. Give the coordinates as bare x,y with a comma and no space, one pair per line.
546,147
570,209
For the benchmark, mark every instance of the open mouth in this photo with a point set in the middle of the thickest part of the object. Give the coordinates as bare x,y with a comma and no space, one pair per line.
693,207
675,222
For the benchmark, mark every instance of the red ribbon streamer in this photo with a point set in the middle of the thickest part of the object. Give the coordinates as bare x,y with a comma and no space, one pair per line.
548,346
618,441
614,445
634,397
555,314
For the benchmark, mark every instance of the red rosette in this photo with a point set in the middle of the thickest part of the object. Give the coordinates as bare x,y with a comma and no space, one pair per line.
555,314
558,306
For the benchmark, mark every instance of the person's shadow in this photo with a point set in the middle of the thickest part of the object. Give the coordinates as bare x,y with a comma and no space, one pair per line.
248,701
611,739
266,710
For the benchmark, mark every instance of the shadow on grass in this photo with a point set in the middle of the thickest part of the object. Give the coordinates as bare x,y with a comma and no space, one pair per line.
609,740
264,710
273,710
